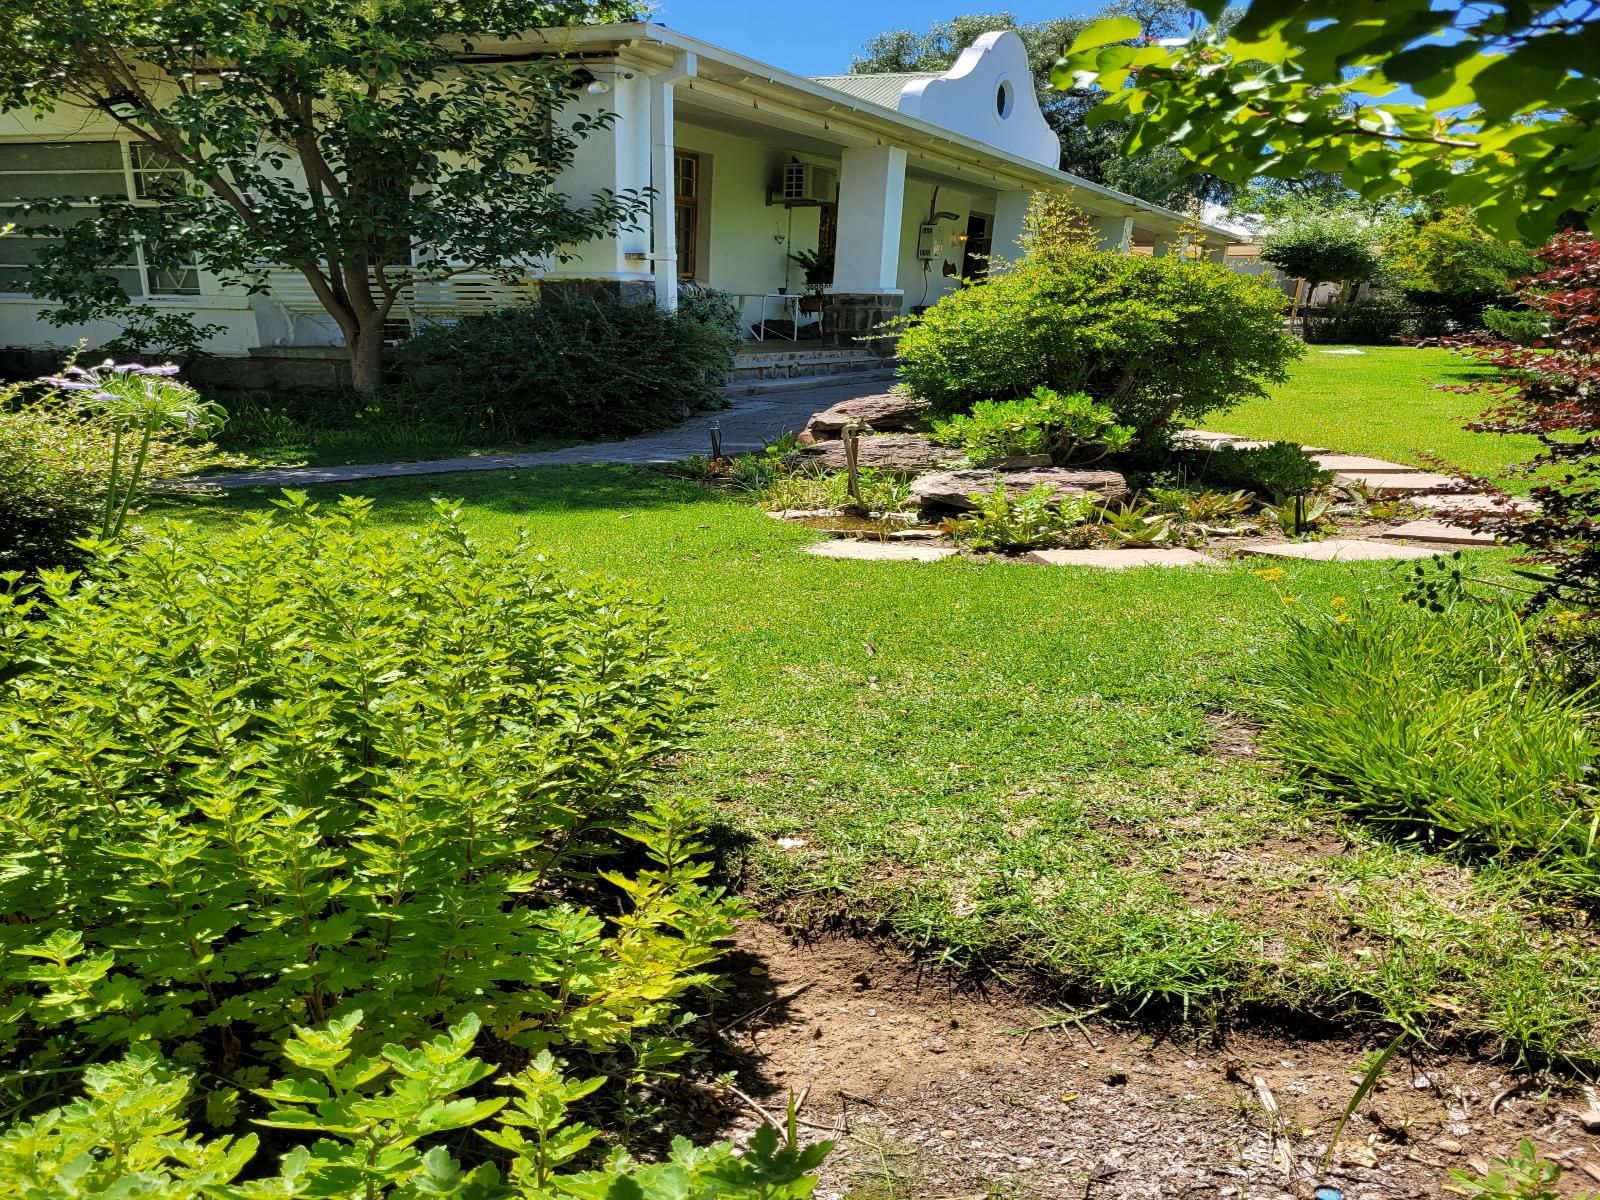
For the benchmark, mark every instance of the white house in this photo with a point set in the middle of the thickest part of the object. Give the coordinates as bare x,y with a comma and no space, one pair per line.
907,182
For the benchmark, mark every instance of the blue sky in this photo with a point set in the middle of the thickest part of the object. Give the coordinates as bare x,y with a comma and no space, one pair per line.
819,37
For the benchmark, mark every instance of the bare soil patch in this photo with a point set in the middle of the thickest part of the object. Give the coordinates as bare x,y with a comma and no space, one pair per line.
936,1089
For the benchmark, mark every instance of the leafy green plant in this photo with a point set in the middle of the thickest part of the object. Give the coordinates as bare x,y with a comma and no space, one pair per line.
139,404
371,1127
1137,524
1520,325
1157,339
1523,1175
1071,429
1297,515
67,465
1005,520
280,772
584,368
1447,725
1278,470
1201,508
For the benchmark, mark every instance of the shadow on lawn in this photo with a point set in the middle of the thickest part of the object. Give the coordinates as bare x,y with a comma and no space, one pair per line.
521,491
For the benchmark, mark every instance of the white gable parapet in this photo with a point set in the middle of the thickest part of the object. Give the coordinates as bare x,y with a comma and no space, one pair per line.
989,94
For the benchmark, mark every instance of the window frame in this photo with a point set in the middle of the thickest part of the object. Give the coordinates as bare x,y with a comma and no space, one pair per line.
687,236
133,184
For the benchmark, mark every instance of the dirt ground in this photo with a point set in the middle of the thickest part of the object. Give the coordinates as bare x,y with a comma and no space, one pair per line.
939,1091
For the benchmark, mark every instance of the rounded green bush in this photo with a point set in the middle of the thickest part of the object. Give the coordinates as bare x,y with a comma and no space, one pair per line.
269,776
1159,338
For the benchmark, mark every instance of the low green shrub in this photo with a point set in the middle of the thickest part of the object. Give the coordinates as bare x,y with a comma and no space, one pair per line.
1519,325
1279,470
1446,725
589,367
1004,520
387,1127
1071,429
273,775
1157,339
78,458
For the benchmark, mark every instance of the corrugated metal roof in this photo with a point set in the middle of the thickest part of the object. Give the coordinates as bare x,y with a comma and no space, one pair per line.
881,89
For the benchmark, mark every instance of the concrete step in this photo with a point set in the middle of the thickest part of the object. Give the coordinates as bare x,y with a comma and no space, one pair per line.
1440,532
737,388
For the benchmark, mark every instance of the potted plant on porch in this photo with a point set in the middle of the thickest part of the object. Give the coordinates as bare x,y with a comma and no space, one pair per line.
818,272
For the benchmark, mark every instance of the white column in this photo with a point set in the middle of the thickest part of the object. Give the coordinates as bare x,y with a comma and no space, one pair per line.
872,196
1172,242
1114,233
1010,219
663,178
1217,252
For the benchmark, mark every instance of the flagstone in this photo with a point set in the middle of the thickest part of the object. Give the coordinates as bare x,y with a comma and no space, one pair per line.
878,551
1122,560
1440,531
1342,550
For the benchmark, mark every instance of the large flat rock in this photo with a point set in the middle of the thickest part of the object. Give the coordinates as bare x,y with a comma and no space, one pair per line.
879,551
899,453
1200,439
884,411
953,489
1122,560
1471,502
1386,483
1341,550
1440,531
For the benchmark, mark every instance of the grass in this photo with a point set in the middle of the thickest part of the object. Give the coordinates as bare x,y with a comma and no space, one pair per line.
1384,401
1012,769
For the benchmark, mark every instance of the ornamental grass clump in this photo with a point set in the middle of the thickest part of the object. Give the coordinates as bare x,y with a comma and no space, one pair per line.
266,777
1447,726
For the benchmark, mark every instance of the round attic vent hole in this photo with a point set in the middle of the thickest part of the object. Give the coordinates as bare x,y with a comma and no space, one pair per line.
1005,99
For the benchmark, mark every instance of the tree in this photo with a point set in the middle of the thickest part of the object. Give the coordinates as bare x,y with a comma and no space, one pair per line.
1161,175
1493,106
1444,256
360,144
1325,245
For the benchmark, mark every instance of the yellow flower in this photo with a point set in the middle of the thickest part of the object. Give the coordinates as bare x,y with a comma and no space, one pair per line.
1291,599
1341,618
1338,602
1270,574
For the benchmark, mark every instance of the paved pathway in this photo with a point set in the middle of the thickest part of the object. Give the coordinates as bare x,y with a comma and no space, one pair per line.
748,425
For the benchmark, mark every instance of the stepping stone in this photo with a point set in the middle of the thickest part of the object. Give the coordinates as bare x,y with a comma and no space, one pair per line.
1440,531
879,551
1342,550
1121,560
1382,483
1448,502
1360,463
1199,439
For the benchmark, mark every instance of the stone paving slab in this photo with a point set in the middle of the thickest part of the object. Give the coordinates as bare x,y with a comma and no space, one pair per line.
1122,560
1447,502
879,551
1342,550
1200,439
1440,531
1352,463
1383,483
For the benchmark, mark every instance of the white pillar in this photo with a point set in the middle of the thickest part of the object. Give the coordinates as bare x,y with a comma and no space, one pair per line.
1010,219
1114,233
1216,252
663,178
872,196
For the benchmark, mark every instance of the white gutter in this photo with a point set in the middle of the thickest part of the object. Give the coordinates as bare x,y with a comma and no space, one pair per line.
1113,202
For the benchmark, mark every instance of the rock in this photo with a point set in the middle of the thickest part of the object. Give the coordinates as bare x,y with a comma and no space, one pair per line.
950,489
879,551
888,410
899,453
1341,550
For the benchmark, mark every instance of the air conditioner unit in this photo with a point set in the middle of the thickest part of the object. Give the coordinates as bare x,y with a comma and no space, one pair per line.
807,183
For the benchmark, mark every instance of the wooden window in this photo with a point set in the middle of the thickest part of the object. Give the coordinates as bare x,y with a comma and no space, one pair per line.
686,197
82,172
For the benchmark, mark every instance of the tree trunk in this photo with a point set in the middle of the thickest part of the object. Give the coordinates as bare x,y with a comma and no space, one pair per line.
366,359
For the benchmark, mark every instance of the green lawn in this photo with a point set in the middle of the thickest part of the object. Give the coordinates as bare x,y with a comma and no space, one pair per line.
1383,402
1013,768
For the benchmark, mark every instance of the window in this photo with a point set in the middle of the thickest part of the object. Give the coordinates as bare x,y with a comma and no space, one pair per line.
84,171
686,196
1004,99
